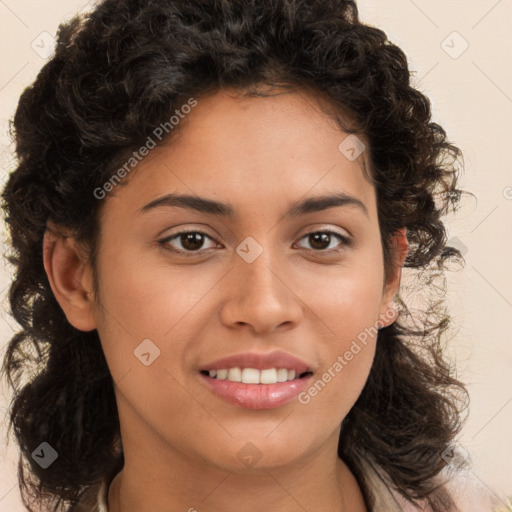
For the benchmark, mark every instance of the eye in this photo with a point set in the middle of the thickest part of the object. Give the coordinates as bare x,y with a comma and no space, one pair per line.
190,241
321,240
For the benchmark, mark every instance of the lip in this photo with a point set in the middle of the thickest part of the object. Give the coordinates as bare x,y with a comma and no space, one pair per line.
260,361
257,396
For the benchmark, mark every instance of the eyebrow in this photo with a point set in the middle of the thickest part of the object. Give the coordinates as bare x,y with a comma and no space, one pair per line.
212,207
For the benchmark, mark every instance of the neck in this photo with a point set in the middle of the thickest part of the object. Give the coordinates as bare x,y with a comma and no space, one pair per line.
160,475
330,488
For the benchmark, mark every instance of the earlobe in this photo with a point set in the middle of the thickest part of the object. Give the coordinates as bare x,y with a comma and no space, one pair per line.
70,278
389,312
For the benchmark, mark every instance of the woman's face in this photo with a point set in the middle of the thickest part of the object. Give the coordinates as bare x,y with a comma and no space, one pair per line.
264,279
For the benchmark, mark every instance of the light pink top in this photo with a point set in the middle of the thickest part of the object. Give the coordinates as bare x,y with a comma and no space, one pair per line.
469,493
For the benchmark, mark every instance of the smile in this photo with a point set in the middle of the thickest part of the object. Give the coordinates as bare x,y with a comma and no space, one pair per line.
253,375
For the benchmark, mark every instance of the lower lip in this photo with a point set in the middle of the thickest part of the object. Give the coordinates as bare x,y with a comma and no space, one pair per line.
257,396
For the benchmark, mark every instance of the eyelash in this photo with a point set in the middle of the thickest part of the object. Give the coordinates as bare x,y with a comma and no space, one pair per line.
345,241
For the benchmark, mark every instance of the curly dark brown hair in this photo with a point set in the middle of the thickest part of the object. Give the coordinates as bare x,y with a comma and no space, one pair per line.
120,71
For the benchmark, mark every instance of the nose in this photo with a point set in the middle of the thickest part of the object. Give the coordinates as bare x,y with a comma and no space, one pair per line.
261,295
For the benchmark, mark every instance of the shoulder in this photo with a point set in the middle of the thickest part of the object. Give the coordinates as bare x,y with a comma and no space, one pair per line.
471,494
467,491
378,491
93,499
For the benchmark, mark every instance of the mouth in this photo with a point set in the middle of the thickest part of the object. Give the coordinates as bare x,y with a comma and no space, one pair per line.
255,376
260,389
257,380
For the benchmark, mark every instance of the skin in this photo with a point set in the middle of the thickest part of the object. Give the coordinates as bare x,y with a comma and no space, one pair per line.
180,440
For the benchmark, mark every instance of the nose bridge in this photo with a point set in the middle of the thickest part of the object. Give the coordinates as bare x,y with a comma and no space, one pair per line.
257,268
258,292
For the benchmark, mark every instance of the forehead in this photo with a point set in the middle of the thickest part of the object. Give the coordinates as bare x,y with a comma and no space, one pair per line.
247,148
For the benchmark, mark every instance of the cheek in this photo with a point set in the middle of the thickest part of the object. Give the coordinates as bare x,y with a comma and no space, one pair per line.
143,313
143,297
335,389
350,312
349,301
148,301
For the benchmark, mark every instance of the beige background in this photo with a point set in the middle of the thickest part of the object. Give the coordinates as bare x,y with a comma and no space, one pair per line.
471,92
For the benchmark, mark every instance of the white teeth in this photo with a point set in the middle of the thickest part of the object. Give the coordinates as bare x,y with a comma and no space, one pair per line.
250,376
282,375
268,376
222,374
235,375
254,376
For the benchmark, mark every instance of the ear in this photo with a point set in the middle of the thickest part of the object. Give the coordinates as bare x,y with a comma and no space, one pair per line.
70,277
388,311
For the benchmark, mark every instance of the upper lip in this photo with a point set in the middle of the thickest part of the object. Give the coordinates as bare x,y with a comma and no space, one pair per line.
260,361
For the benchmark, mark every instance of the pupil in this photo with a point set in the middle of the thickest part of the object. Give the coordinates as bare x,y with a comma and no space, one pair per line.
192,241
320,237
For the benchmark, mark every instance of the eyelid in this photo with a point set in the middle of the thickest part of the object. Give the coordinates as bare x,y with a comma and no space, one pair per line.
168,238
346,241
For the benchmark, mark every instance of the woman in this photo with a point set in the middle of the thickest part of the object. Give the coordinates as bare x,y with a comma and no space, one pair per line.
213,205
